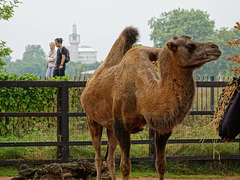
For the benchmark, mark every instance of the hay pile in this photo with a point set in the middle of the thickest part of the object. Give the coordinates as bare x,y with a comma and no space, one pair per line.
224,103
80,170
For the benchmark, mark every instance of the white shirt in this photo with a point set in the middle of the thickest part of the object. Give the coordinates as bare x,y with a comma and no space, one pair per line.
51,58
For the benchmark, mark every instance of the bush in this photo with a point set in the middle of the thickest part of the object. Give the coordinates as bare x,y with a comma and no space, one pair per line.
31,99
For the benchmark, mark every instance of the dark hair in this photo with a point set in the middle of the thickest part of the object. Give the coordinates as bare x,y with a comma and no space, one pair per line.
59,40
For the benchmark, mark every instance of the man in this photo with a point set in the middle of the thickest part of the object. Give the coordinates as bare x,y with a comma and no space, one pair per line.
51,59
60,65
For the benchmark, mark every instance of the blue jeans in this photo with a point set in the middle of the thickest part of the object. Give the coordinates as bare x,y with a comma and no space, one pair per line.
49,72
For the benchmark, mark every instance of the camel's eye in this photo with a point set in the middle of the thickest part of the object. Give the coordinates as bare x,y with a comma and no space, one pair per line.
191,47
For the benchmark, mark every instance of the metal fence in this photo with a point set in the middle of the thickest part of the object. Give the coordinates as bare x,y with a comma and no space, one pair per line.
206,97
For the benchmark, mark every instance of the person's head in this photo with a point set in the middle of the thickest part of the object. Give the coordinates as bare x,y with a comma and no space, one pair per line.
58,42
52,46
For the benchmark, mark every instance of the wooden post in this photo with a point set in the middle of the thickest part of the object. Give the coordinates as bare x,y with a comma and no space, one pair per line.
151,146
212,95
59,122
63,123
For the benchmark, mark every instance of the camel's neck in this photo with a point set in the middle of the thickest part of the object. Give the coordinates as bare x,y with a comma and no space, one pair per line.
173,75
174,96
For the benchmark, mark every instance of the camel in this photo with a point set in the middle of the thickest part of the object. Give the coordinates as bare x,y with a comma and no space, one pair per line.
126,93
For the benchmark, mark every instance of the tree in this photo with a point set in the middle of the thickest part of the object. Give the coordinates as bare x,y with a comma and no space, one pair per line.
195,23
179,22
6,12
33,62
7,59
34,53
235,58
221,66
75,68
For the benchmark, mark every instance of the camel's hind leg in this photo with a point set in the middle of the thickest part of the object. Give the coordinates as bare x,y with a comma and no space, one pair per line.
161,141
123,138
96,134
112,144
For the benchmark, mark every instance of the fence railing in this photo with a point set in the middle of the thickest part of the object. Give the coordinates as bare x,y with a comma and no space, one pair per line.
62,143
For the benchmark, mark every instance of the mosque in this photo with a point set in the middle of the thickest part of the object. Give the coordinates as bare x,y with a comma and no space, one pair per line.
82,54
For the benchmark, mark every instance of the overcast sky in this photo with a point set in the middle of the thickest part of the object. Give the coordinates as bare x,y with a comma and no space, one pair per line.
99,22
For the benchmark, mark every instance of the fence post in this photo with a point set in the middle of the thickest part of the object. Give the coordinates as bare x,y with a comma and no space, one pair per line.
63,122
212,95
152,149
151,146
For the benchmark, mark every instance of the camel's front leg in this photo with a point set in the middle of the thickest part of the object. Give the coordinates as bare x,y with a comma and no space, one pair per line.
123,138
161,141
96,134
112,144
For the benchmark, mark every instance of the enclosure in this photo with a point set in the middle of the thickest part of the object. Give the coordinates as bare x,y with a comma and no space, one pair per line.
43,122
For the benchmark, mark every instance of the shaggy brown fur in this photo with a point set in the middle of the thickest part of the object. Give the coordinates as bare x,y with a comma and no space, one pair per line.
124,42
127,93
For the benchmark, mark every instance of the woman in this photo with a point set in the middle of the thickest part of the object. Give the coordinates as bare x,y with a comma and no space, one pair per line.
51,58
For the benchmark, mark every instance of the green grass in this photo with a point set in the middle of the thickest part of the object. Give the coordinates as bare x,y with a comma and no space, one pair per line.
8,170
176,169
194,128
187,169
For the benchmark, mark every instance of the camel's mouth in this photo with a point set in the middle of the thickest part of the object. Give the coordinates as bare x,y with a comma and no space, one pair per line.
212,57
208,58
214,53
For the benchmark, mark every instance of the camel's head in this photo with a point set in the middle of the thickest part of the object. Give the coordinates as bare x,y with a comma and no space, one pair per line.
188,53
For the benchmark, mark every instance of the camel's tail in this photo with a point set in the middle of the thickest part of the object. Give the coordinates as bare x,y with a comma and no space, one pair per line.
124,42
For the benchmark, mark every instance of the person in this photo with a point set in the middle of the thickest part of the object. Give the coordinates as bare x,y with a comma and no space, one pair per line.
51,58
60,65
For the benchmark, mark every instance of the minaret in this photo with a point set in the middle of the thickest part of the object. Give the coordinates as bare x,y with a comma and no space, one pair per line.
74,40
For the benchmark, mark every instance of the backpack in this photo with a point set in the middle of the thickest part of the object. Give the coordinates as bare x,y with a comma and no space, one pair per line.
67,59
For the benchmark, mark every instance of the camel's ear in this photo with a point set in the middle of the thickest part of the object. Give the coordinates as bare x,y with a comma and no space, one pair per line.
172,46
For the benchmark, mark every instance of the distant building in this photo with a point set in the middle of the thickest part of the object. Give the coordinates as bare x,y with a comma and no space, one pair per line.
87,54
83,54
74,40
86,75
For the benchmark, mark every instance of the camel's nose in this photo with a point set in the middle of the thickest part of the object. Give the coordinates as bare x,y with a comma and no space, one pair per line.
214,48
212,45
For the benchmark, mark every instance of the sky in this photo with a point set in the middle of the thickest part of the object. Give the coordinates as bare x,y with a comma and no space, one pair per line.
99,22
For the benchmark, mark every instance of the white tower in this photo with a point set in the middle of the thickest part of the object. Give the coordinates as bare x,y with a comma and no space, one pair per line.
74,40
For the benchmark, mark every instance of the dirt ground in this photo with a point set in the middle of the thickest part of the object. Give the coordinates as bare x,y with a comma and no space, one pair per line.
228,178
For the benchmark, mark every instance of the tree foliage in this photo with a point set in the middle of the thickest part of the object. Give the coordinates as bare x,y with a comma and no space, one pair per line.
197,24
179,22
221,67
33,62
6,12
33,53
235,58
31,99
4,51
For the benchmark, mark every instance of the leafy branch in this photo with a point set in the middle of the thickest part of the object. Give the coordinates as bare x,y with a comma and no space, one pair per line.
6,12
7,9
32,99
236,57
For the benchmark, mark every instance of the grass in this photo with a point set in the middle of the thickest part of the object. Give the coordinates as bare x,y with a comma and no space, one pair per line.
194,128
176,169
8,171
187,169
